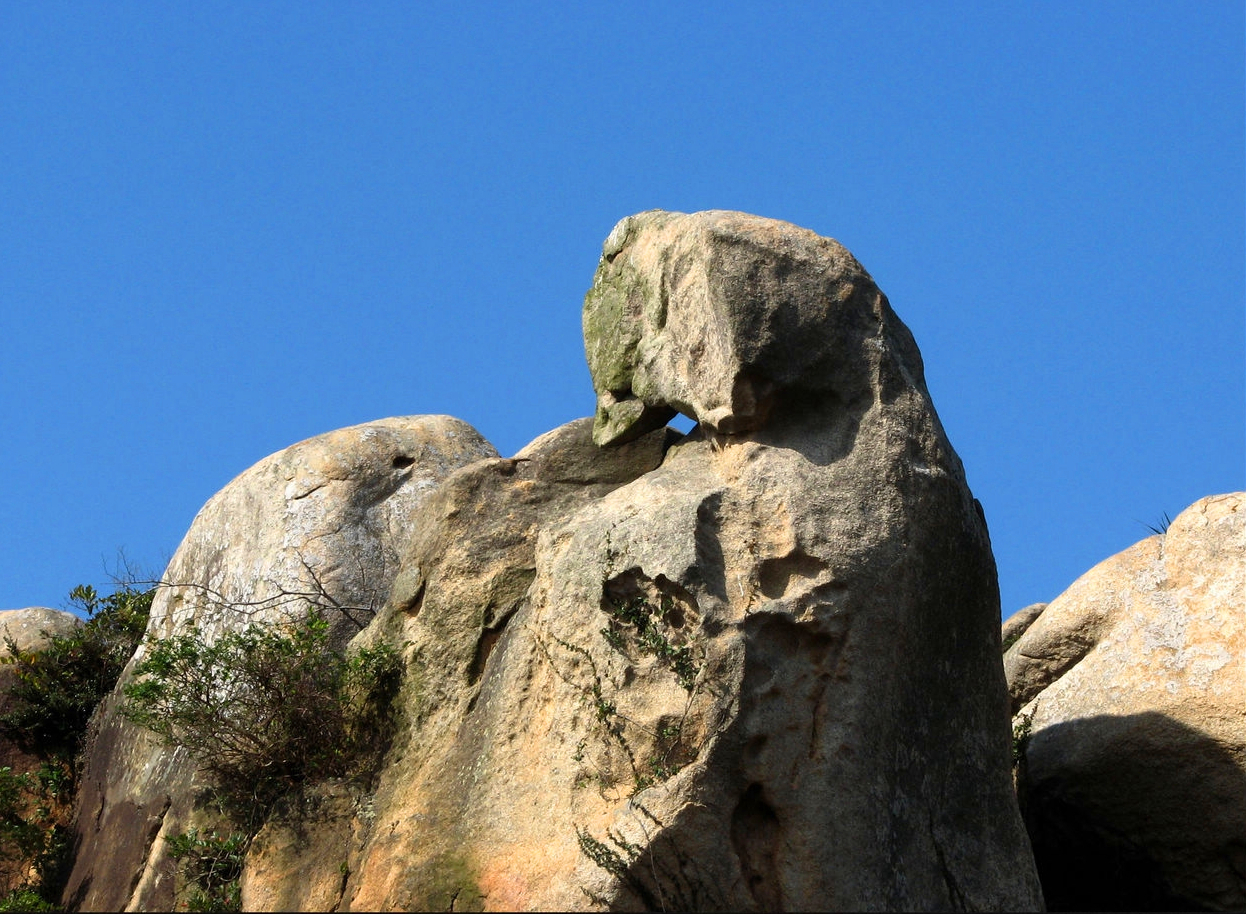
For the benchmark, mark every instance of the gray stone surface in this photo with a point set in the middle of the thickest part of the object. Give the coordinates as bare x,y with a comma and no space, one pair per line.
31,628
726,317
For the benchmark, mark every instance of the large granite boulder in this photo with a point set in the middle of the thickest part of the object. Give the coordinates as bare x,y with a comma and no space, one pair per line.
755,669
466,575
323,522
1133,685
32,628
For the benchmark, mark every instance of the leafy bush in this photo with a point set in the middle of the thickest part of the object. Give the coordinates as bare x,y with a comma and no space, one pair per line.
35,808
26,899
57,688
213,866
266,708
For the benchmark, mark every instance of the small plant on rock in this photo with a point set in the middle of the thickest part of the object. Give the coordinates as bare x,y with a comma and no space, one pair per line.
1160,527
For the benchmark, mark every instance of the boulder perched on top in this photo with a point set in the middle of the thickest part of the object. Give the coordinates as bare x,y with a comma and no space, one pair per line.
725,317
323,524
33,627
753,669
1133,685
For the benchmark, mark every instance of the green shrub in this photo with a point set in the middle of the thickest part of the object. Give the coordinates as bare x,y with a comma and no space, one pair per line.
26,899
57,688
35,808
266,708
212,865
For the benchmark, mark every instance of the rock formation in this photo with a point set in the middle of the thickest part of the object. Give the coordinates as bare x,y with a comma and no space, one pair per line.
33,627
1133,682
321,522
755,667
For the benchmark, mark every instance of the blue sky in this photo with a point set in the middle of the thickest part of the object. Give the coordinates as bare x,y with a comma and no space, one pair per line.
225,228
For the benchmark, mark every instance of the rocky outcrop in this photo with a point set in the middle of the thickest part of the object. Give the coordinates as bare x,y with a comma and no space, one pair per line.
1133,682
468,571
322,522
756,669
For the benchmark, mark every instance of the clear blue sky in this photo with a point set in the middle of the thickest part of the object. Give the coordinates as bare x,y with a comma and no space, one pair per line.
228,227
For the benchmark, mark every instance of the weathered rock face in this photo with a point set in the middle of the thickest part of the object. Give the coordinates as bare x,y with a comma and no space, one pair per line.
1135,680
467,573
326,519
757,669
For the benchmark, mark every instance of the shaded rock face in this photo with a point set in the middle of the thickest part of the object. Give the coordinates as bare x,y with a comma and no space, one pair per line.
1135,683
327,520
753,669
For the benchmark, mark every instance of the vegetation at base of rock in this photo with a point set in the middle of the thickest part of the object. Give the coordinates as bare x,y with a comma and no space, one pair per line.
35,807
266,709
57,688
212,866
664,882
26,900
54,692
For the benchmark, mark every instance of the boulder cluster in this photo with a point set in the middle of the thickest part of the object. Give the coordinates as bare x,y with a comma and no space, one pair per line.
756,666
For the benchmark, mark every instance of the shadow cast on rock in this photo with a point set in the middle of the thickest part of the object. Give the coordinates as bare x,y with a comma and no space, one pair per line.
1135,813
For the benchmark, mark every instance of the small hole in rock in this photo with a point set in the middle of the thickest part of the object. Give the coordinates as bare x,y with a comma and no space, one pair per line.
401,462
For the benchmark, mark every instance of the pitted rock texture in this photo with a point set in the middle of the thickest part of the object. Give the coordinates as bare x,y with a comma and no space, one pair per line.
758,670
454,605
327,520
1134,683
756,667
